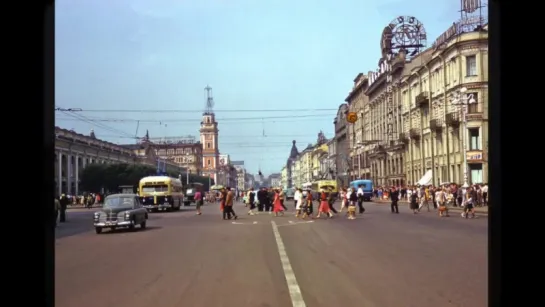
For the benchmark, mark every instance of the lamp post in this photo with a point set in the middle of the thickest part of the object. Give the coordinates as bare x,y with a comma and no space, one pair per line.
209,178
462,100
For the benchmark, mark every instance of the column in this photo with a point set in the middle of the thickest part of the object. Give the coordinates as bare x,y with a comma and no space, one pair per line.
68,174
59,175
77,175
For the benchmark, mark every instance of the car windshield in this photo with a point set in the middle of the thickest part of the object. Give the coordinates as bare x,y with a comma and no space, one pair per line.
155,188
119,202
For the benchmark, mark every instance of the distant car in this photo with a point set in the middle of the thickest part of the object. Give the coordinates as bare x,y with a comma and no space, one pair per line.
120,211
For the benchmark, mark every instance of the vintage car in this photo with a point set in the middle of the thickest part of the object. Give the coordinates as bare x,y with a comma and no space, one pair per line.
120,211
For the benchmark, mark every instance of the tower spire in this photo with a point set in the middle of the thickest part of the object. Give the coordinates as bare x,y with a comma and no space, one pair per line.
209,108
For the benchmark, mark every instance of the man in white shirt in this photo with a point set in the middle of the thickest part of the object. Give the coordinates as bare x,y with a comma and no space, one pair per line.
359,193
484,190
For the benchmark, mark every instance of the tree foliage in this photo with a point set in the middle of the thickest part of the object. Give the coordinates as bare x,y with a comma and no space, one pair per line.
94,177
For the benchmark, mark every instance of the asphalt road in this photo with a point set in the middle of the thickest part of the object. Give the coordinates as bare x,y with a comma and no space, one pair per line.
380,259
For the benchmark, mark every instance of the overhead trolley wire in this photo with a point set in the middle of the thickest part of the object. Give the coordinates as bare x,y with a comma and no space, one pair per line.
191,111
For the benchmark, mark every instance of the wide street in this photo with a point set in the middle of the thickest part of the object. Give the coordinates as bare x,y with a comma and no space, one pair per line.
380,259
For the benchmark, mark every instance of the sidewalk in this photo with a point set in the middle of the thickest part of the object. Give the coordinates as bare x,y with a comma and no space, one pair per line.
479,210
83,207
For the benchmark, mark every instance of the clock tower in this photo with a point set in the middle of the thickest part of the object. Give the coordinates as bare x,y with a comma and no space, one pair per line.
209,138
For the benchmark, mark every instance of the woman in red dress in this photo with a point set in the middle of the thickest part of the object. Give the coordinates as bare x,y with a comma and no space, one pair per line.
277,204
324,205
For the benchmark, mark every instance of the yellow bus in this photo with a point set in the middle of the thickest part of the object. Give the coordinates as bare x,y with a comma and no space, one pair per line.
320,183
159,193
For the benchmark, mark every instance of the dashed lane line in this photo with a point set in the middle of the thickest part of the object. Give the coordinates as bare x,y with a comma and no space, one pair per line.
293,286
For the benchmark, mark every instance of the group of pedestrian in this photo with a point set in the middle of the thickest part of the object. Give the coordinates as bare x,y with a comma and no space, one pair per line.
441,198
227,197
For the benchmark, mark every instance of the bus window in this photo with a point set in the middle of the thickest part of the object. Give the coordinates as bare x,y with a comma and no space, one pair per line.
154,188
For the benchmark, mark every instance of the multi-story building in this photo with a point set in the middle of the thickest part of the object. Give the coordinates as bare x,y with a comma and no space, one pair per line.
290,165
382,142
275,180
433,121
183,151
250,180
341,147
284,177
74,151
241,175
329,165
359,140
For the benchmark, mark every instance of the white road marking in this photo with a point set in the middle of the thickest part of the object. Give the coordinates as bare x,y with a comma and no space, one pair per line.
292,223
293,286
237,223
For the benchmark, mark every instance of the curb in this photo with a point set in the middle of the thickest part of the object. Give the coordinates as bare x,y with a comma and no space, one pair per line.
457,209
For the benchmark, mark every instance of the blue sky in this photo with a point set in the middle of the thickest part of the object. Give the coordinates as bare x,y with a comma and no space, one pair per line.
256,55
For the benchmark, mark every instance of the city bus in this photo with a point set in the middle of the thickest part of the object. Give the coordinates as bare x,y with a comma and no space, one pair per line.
158,193
316,185
367,188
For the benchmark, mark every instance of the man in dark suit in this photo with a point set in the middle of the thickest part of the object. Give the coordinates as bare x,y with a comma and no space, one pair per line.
262,198
394,197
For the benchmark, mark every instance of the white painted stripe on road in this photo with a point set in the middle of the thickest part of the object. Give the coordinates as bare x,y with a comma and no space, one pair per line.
293,286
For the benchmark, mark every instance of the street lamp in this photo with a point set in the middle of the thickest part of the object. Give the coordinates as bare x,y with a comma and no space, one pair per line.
463,100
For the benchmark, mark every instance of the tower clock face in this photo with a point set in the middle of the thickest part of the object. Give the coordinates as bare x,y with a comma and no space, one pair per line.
222,161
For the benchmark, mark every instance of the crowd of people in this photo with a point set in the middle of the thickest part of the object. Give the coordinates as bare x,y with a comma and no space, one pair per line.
440,198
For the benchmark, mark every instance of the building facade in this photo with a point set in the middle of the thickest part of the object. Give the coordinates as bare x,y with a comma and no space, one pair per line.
185,151
383,143
290,165
284,177
439,142
241,175
75,151
341,150
358,103
275,180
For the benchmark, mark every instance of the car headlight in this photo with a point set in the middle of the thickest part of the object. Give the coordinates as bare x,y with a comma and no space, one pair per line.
97,215
127,215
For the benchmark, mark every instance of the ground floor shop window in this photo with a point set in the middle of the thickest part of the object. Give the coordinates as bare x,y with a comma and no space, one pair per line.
476,173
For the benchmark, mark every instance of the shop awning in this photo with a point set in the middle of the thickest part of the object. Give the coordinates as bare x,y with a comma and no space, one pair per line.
426,179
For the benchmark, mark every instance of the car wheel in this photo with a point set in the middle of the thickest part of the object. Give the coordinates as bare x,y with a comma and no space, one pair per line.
98,230
143,225
131,226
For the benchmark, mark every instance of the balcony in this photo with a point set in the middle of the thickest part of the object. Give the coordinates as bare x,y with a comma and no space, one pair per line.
436,125
403,137
422,100
453,119
474,116
414,133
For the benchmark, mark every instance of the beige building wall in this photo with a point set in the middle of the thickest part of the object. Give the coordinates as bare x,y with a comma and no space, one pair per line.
358,103
433,124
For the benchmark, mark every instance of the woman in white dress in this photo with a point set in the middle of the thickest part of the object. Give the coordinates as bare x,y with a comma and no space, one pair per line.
298,197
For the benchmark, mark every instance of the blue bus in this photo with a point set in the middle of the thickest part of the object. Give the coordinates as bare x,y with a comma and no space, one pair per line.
367,188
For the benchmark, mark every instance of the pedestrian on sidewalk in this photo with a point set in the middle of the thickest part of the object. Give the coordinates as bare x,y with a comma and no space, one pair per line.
282,196
223,195
57,208
344,199
414,201
441,198
360,198
299,202
423,195
277,205
228,209
394,197
198,201
308,207
251,201
331,201
469,205
484,189
324,206
262,199
64,204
